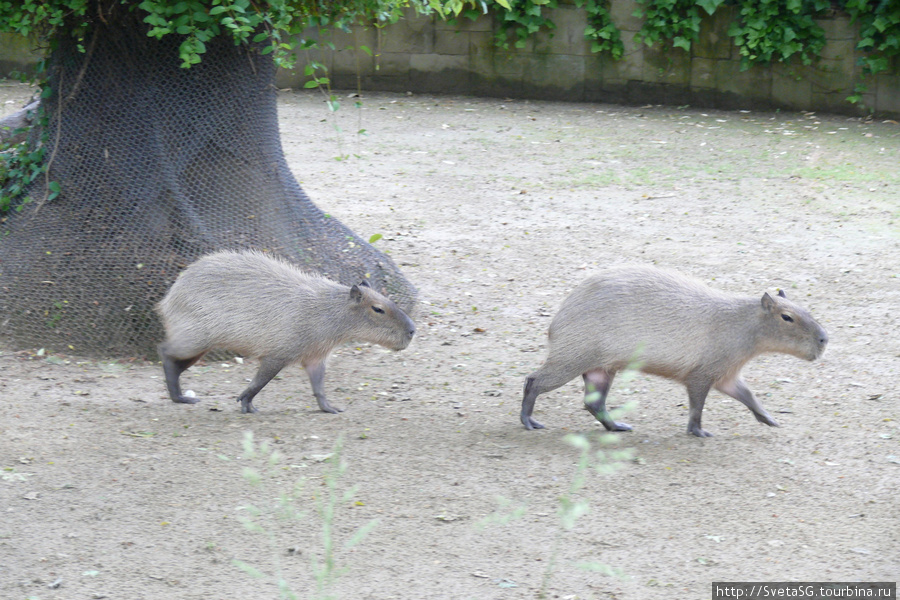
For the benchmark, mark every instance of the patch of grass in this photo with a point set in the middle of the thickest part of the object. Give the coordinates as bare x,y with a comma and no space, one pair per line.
266,520
594,455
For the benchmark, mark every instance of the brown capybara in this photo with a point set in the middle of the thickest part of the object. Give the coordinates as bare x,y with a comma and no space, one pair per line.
672,326
262,307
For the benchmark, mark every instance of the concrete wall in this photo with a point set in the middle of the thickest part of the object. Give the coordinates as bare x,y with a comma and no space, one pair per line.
425,54
17,54
421,54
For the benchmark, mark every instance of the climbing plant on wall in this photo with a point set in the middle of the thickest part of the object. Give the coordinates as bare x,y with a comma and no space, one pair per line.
520,19
879,32
601,31
767,30
673,21
763,31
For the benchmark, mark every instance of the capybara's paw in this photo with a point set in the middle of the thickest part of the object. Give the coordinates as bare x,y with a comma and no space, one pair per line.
618,426
330,408
765,418
530,423
699,431
186,400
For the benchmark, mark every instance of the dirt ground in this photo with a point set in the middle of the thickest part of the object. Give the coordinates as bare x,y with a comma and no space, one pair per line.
496,209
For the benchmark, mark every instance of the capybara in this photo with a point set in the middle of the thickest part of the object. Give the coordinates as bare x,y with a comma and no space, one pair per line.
262,307
673,326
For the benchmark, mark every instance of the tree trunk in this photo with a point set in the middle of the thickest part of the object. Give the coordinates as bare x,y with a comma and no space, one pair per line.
157,166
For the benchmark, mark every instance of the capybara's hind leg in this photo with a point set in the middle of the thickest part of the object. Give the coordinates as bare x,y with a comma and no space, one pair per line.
546,379
173,368
268,368
596,386
530,395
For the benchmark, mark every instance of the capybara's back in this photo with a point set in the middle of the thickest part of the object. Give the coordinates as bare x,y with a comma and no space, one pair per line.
248,303
670,323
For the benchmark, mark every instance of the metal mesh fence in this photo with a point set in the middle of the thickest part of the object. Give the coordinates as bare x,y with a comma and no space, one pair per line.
158,166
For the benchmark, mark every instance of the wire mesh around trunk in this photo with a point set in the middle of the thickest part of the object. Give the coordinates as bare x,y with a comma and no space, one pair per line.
158,166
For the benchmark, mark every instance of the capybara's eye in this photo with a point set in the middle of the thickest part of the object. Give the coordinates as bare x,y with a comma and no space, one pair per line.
379,310
787,318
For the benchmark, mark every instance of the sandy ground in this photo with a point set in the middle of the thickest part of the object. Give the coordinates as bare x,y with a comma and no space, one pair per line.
497,209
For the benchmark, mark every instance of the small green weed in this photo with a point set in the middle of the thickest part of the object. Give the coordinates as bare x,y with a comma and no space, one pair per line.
265,520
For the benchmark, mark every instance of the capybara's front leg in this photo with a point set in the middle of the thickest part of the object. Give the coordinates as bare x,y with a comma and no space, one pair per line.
738,390
698,388
316,372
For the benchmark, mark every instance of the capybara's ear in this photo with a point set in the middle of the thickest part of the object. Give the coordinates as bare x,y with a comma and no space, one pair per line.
364,283
782,294
767,302
356,293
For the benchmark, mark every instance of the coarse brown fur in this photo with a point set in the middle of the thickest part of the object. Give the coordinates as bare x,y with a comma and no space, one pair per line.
262,307
672,326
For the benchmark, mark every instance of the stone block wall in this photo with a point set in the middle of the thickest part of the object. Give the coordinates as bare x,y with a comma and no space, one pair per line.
427,55
17,54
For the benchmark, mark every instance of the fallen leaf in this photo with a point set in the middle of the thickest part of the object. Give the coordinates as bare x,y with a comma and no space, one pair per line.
449,518
141,434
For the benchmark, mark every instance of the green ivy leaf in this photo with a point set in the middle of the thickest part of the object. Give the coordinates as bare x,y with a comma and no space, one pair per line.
710,6
682,42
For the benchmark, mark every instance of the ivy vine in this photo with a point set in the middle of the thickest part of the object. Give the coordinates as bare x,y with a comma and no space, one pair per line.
879,32
600,30
521,20
768,30
677,21
22,158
